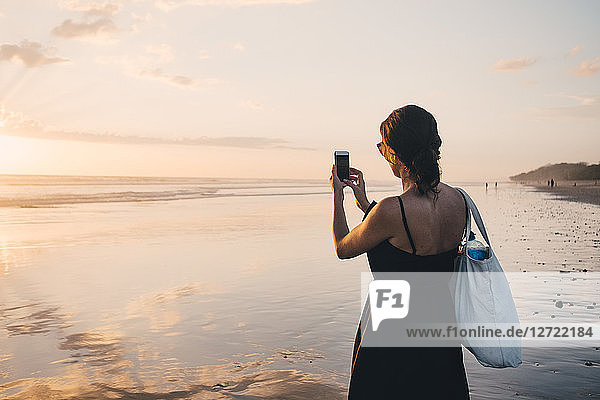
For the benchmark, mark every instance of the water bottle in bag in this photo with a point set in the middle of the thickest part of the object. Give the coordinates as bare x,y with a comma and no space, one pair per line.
477,250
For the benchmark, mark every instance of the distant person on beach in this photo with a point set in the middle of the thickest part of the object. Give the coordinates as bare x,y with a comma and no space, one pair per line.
548,182
552,182
419,231
495,184
486,185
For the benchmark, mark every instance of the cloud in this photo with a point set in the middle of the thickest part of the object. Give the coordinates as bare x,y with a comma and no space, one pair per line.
16,124
105,10
514,64
156,56
31,54
168,5
178,80
574,51
96,24
102,28
587,107
253,105
587,68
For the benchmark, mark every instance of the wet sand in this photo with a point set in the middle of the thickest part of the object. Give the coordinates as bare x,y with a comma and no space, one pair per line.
239,295
583,192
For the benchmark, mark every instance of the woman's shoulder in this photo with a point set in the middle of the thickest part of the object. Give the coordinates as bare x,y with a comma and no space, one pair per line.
448,196
454,192
442,189
388,206
454,202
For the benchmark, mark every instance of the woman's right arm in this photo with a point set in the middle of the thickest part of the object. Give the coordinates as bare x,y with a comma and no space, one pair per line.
373,203
358,186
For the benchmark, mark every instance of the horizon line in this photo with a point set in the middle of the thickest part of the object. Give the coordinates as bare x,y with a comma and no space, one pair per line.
218,177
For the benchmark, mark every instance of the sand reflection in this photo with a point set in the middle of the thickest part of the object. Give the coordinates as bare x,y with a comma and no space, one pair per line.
32,319
226,381
97,349
160,309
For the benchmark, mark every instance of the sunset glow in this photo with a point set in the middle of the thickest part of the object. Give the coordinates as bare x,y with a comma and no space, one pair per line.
244,88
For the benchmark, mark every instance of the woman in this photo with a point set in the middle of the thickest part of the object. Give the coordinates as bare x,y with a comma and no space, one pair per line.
420,230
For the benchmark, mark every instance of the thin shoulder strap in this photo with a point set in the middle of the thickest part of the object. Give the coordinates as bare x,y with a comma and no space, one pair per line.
467,215
412,244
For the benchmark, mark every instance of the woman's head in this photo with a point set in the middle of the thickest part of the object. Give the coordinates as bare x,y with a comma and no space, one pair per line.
411,142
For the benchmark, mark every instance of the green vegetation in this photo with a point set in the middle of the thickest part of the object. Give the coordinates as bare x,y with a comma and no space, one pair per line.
561,172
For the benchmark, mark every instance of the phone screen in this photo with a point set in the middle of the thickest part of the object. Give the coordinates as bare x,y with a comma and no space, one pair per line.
342,163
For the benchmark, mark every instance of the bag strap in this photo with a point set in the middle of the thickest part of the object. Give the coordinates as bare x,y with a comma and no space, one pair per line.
478,220
467,232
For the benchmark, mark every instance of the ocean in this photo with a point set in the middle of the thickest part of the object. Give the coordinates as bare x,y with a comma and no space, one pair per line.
210,288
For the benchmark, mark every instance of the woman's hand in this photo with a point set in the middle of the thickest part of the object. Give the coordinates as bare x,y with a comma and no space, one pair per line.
357,183
336,185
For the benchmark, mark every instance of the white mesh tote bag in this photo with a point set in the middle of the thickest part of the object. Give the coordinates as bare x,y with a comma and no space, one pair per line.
482,296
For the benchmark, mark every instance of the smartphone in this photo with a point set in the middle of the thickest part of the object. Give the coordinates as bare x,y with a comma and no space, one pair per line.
341,160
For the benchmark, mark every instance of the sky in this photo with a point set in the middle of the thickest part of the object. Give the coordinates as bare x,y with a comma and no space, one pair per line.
270,88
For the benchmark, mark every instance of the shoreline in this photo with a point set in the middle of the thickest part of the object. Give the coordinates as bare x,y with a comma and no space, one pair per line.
585,191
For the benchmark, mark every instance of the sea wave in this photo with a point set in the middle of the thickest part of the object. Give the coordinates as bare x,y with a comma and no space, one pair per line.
115,197
50,191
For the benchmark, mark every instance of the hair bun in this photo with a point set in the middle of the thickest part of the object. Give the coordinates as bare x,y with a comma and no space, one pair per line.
412,133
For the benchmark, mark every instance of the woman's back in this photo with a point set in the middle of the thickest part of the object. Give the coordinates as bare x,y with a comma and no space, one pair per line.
436,227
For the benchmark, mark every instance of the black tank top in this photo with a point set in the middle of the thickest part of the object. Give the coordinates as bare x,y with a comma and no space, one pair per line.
406,372
385,257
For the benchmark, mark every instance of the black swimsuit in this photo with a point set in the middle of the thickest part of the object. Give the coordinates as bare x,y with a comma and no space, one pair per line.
406,372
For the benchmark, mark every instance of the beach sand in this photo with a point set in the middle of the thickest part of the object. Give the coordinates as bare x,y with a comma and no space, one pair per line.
230,289
583,192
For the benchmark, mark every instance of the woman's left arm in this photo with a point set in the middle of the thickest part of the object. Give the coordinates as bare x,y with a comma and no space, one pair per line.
374,229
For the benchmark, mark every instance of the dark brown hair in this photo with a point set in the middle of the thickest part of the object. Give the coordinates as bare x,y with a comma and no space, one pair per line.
411,132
